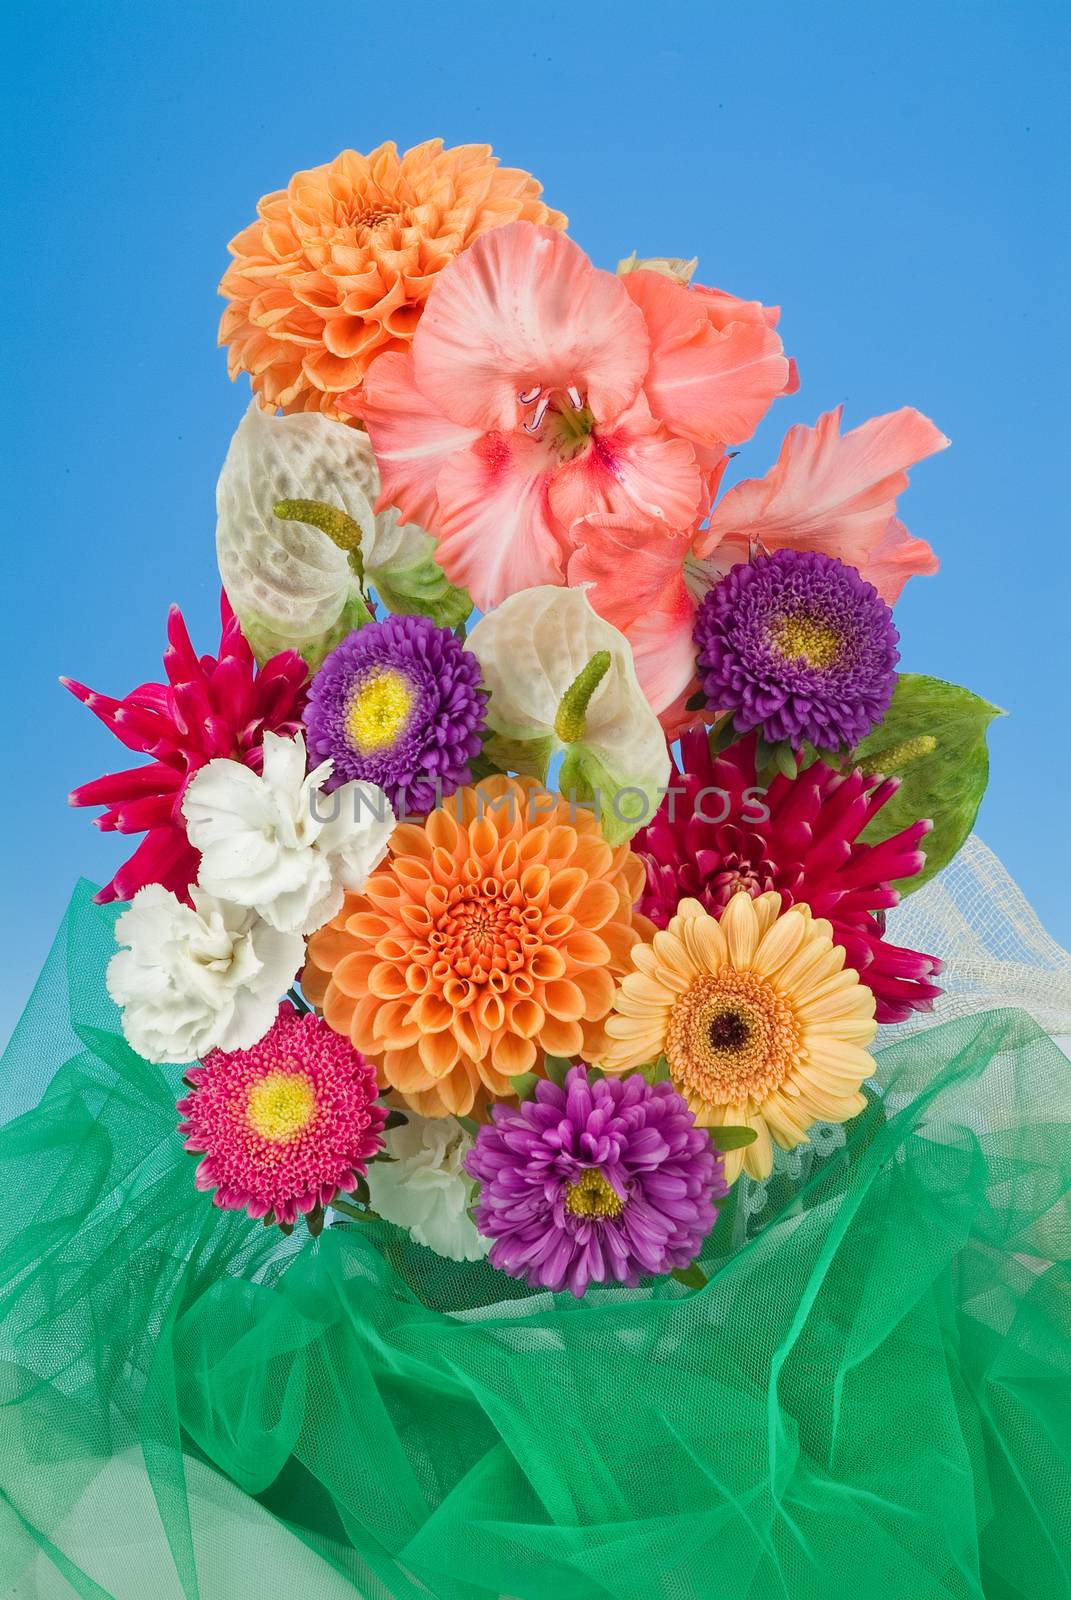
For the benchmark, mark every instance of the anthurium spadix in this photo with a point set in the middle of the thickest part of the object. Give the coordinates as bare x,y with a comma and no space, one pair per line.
562,679
299,542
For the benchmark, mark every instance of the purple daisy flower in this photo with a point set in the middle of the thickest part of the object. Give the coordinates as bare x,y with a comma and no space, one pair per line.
398,704
595,1181
800,646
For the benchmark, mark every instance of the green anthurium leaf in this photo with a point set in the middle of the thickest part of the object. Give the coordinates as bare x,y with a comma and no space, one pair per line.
424,589
621,808
529,756
266,640
731,1138
933,738
693,1276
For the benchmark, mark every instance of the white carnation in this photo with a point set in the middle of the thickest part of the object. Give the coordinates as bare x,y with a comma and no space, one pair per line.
425,1187
192,979
276,843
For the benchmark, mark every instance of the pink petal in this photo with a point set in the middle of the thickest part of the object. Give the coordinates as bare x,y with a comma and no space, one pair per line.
629,564
411,437
896,557
497,533
522,308
638,586
834,493
708,384
723,308
634,468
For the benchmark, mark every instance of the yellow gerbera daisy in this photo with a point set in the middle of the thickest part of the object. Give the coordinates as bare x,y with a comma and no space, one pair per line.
759,1020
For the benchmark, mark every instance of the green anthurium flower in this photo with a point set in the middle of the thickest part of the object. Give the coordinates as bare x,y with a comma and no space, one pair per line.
563,680
300,543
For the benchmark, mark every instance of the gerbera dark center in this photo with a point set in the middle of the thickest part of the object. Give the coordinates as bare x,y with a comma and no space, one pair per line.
730,1031
593,1196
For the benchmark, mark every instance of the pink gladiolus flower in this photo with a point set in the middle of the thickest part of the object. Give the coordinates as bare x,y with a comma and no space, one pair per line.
830,492
540,390
208,707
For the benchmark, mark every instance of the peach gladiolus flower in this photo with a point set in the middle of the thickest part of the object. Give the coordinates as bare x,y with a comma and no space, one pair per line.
831,492
338,265
494,933
540,390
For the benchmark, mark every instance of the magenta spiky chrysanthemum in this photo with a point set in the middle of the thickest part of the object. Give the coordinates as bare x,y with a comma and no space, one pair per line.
285,1125
718,831
210,706
595,1182
800,646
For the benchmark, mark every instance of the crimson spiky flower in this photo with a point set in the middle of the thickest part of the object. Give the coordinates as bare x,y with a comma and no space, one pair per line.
718,831
210,706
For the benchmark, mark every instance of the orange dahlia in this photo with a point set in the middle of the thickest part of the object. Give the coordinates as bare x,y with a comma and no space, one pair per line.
338,265
494,932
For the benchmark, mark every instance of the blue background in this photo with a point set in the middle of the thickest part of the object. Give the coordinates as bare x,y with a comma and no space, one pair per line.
889,174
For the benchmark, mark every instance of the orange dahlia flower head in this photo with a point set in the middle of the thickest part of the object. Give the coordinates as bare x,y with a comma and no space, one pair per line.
338,265
493,933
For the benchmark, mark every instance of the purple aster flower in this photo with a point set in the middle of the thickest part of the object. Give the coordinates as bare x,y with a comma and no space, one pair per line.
800,646
595,1181
398,704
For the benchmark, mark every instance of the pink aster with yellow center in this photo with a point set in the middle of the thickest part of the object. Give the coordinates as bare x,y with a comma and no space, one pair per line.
285,1125
337,266
760,1022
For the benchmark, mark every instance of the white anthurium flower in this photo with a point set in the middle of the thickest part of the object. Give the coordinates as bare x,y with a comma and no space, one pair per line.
296,584
277,843
425,1187
561,678
195,978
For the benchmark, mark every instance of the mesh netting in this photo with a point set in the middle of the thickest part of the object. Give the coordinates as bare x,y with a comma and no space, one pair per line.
996,951
869,1398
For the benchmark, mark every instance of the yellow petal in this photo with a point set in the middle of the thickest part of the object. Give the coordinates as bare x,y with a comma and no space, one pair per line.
704,940
740,925
780,942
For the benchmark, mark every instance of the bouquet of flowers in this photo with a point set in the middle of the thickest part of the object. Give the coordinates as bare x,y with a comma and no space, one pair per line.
512,893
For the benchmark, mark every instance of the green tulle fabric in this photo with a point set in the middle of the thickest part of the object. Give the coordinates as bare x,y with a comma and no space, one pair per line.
870,1398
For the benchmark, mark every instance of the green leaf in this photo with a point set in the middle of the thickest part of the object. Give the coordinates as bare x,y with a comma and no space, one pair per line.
693,1276
784,760
424,589
722,736
395,1119
695,702
731,1138
524,1086
658,1072
556,1067
944,779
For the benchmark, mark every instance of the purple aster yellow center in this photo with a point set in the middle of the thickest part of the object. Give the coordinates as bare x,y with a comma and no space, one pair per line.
807,639
379,710
281,1105
592,1195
